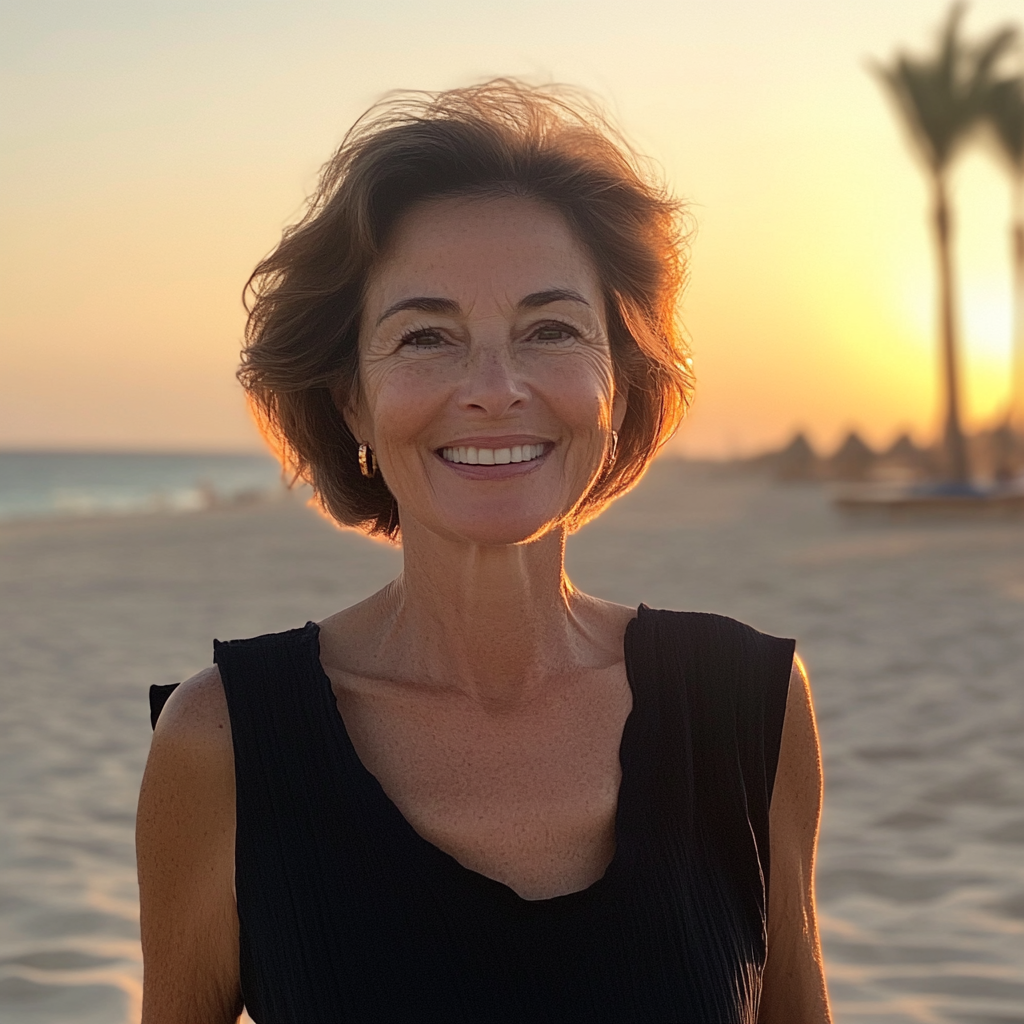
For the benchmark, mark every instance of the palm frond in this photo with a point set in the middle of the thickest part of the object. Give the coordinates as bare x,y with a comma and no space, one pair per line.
1005,113
943,97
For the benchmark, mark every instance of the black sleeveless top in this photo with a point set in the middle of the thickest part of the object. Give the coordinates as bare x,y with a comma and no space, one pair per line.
346,914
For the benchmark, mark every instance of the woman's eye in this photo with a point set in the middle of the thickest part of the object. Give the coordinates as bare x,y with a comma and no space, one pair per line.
553,332
422,339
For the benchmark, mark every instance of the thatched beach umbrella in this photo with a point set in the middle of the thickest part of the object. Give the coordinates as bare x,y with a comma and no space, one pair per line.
797,461
853,459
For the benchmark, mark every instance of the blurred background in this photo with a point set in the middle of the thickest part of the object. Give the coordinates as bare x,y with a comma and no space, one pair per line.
151,153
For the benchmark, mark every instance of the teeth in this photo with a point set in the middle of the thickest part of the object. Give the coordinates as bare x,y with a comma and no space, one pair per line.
471,456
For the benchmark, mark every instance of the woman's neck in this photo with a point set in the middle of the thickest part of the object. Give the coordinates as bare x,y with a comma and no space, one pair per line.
495,621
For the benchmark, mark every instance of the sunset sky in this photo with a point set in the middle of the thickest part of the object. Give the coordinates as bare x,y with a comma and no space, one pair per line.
152,152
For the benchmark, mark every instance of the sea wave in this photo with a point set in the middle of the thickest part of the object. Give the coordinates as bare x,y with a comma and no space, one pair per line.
46,485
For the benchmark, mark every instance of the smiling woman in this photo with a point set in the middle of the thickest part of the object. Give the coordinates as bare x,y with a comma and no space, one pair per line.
479,794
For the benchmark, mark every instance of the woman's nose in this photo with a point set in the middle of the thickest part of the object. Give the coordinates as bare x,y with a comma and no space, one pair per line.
492,382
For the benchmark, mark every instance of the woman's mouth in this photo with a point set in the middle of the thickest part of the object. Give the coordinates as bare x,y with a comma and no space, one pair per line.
471,455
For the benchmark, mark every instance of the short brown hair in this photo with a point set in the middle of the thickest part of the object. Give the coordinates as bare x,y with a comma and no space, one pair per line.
502,137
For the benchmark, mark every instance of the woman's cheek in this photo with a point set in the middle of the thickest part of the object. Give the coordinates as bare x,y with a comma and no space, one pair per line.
581,390
405,400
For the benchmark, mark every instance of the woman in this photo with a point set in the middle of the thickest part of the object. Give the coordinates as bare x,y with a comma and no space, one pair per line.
481,795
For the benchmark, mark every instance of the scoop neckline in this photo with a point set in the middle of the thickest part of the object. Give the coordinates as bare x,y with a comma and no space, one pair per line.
446,861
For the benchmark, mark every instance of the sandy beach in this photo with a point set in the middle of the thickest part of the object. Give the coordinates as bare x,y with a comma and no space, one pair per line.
913,633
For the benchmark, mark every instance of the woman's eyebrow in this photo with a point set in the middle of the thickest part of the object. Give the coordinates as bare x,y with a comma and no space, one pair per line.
535,299
435,304
421,303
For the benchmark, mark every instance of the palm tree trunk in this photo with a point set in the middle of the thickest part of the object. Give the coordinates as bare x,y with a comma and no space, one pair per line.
1017,391
953,436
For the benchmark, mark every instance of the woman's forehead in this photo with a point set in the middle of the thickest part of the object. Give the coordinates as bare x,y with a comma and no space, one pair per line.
477,249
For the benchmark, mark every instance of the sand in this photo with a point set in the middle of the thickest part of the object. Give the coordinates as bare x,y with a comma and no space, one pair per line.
913,633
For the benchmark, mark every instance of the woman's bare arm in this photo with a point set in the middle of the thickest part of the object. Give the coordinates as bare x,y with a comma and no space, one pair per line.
185,839
794,978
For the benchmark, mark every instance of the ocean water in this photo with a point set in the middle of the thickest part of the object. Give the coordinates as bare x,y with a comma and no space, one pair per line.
49,484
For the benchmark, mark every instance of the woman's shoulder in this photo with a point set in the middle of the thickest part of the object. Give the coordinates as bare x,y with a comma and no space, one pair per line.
192,716
710,625
182,705
717,660
709,642
283,638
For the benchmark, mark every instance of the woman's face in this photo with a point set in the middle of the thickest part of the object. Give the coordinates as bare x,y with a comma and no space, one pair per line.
485,374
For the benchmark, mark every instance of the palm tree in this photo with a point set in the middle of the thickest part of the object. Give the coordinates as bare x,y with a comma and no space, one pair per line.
1006,116
942,98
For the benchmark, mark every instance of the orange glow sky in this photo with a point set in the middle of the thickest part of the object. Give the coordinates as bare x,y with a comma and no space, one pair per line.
152,152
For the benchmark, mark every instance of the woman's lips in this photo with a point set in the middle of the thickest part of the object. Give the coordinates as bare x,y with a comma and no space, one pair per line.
477,462
473,455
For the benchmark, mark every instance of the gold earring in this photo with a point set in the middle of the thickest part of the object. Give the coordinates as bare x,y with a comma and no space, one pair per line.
367,463
615,445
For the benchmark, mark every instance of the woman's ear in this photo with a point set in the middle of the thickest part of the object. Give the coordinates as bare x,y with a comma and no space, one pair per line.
619,404
346,400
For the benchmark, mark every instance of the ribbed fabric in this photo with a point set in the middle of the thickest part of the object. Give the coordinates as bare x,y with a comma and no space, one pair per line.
348,915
